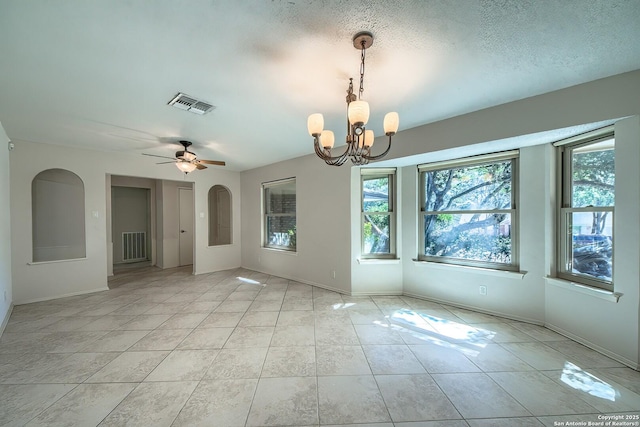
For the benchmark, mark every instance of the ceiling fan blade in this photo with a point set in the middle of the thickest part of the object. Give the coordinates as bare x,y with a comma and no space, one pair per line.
164,163
200,166
155,155
213,162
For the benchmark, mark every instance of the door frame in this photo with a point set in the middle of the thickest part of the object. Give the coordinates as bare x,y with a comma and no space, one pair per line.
181,226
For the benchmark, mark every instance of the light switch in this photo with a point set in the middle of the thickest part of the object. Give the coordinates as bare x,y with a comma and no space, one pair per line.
201,214
96,214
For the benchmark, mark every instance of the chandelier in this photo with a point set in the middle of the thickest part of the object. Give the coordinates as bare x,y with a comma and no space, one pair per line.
359,139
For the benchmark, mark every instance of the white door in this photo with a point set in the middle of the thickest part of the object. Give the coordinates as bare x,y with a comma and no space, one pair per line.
185,220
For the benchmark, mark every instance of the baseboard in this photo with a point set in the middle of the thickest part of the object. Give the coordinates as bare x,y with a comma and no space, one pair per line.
72,294
476,309
376,294
618,358
5,321
303,281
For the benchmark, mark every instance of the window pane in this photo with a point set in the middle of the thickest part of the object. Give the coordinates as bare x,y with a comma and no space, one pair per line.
376,234
591,244
593,175
375,193
281,198
484,237
281,231
476,187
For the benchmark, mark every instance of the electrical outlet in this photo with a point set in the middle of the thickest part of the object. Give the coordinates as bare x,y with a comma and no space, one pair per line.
483,290
5,296
259,260
333,274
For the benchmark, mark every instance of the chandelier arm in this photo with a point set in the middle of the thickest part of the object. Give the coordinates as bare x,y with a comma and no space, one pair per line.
381,155
325,154
317,148
360,162
338,161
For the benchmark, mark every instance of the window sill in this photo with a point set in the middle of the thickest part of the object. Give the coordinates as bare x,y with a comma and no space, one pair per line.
475,270
56,261
280,251
370,261
584,289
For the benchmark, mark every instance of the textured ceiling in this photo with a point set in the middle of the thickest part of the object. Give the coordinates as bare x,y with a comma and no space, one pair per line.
98,74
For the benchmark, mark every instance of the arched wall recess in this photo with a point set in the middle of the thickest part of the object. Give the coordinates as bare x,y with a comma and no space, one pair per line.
58,217
220,224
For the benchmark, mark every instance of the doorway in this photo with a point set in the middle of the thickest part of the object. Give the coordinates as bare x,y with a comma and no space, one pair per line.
131,224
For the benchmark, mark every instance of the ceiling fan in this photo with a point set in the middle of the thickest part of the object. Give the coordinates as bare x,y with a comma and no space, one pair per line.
186,160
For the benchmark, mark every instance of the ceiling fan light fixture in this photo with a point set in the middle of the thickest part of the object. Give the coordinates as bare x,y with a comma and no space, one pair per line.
186,166
186,160
188,156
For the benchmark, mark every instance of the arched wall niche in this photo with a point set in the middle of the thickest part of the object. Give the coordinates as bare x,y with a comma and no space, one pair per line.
58,216
220,219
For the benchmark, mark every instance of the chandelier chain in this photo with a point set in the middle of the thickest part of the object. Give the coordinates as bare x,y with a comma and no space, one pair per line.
361,70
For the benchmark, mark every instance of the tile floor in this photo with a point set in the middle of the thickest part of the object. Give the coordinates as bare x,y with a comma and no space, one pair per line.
240,348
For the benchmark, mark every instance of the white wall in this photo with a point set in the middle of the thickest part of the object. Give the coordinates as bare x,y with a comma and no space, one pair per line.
6,295
223,257
323,223
51,280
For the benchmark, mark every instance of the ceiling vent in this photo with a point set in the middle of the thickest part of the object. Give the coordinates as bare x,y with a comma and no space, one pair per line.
189,103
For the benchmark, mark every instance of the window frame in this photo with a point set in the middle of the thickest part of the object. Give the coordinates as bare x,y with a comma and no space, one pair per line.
483,159
565,208
266,214
375,173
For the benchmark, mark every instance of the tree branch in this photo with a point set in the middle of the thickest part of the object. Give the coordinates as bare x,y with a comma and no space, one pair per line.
594,184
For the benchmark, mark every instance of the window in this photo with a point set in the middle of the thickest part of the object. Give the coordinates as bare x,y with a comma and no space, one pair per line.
585,243
57,203
279,228
468,211
378,217
219,216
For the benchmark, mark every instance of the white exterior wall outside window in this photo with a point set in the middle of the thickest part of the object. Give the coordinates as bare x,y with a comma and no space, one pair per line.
468,211
378,213
585,217
279,221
